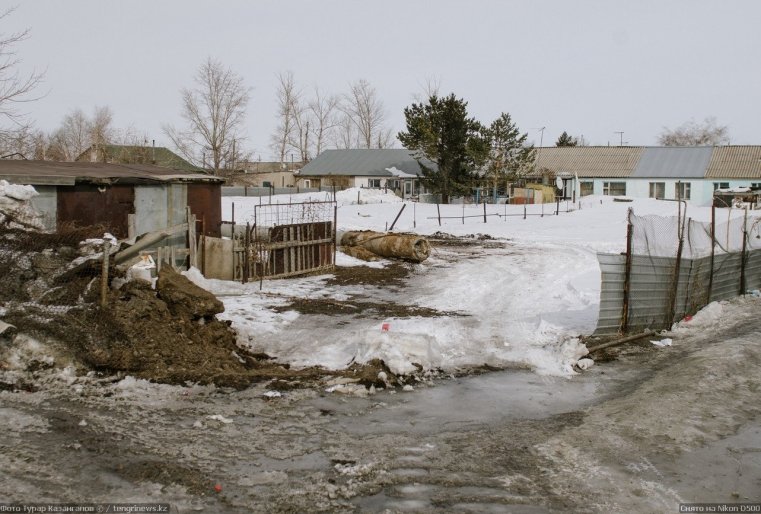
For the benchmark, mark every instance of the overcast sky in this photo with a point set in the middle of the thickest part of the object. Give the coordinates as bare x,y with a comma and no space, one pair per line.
591,68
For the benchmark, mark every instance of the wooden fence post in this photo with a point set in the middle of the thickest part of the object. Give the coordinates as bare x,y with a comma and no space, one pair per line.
627,274
397,216
104,274
677,267
743,255
713,252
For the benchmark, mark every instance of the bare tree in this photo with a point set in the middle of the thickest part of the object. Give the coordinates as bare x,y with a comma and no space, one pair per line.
214,112
691,133
367,114
345,135
288,99
24,142
15,87
431,87
323,111
72,138
101,130
78,132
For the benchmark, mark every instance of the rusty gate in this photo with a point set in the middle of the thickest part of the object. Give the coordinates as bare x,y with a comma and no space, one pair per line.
286,240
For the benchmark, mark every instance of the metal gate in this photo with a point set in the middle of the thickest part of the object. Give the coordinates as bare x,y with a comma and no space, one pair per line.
286,240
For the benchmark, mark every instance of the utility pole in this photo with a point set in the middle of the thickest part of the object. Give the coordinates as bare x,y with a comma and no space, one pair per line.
541,137
621,135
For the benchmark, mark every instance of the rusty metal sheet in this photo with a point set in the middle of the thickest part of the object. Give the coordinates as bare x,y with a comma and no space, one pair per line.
205,201
88,205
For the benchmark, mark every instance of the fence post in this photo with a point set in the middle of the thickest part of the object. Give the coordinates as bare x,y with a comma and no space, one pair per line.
713,251
246,242
484,212
557,209
677,266
203,245
627,273
104,274
743,256
335,232
438,212
397,216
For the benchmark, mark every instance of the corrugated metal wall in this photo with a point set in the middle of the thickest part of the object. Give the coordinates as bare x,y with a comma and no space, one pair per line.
652,283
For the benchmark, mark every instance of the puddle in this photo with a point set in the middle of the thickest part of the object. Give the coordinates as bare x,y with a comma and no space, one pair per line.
464,404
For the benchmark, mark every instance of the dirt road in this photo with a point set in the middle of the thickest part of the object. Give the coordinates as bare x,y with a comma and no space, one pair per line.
642,433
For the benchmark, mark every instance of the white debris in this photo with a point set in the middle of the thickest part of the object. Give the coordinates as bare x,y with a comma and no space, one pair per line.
83,423
220,418
585,363
199,424
408,388
663,342
272,394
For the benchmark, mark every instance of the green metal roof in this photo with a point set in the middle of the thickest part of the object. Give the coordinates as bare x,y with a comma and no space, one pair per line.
135,154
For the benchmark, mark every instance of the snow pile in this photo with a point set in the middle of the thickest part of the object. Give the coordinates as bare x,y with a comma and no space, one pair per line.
16,209
524,303
709,316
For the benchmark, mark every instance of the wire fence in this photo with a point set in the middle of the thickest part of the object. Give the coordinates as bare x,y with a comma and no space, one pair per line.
674,266
285,240
51,282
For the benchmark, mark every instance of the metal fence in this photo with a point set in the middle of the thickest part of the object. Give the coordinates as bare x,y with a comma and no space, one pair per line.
269,191
285,240
675,266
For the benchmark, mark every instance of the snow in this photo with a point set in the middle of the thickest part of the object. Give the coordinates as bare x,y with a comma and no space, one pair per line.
525,303
15,205
17,192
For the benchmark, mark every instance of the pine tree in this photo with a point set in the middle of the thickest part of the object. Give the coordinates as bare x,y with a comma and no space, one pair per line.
566,140
509,156
440,131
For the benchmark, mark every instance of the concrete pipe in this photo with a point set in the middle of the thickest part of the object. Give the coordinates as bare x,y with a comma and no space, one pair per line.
410,247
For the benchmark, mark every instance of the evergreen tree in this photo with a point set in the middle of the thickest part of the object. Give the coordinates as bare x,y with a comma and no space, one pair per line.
566,140
509,156
441,132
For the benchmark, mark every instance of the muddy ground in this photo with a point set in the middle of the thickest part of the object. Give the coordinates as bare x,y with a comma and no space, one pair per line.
642,432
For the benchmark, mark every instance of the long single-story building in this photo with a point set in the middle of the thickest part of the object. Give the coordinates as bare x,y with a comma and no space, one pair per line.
690,173
126,199
389,168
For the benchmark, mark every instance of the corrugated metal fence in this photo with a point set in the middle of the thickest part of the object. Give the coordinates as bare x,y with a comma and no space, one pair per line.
652,291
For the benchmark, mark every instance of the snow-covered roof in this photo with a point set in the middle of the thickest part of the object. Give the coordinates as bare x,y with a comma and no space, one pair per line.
399,173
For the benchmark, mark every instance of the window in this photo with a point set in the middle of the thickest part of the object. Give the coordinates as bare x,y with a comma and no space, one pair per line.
614,188
755,185
683,190
720,185
587,187
307,183
374,183
658,190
